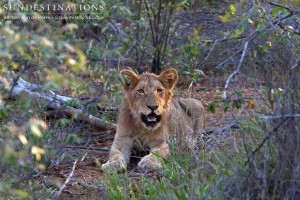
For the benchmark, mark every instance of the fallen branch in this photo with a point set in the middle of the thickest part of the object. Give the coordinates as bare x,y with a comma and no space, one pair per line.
53,101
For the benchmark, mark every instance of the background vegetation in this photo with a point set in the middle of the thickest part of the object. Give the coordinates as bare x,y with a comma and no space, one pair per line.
233,48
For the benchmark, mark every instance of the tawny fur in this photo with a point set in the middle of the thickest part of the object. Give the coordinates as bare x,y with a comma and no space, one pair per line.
181,117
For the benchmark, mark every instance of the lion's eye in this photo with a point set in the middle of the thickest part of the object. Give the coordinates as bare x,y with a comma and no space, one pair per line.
141,91
159,90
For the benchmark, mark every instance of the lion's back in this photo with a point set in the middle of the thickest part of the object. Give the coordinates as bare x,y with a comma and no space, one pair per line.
187,118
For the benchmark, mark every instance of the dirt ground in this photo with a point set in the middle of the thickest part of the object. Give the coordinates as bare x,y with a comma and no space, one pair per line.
86,182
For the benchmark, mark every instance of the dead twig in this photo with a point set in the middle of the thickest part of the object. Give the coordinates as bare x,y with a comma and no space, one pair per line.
67,180
87,148
297,64
266,138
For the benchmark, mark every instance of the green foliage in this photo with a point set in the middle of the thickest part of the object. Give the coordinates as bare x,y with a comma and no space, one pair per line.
235,99
15,148
212,107
195,74
61,57
188,57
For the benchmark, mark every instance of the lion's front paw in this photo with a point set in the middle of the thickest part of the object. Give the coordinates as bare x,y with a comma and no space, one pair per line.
116,164
150,162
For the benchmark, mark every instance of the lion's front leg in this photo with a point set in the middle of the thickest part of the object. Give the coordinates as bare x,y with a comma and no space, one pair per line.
119,155
151,161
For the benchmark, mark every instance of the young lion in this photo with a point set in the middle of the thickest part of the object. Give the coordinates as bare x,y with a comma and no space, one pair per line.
148,115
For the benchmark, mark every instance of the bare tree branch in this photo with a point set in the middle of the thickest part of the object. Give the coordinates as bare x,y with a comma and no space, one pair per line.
250,38
280,6
281,116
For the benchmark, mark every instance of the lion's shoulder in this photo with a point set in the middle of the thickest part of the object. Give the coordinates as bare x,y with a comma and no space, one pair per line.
186,111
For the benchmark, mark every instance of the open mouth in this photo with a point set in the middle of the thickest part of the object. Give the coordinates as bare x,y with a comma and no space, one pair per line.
151,119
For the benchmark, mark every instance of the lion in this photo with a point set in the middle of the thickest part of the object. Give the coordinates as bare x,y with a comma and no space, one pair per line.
148,115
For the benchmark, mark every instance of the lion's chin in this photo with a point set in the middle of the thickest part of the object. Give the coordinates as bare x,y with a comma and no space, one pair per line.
151,121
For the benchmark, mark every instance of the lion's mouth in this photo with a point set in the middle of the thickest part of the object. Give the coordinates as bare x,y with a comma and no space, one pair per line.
151,119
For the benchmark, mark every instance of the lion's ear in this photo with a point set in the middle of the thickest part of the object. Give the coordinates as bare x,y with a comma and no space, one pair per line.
129,78
169,78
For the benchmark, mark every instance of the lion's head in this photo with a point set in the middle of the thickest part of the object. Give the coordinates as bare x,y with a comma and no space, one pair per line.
149,96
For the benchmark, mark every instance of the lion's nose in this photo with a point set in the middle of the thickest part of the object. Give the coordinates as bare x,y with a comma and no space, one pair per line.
152,107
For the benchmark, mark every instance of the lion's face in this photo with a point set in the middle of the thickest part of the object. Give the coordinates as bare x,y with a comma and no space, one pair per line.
149,96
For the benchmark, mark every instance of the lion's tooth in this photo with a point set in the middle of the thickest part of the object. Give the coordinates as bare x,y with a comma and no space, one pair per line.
152,119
